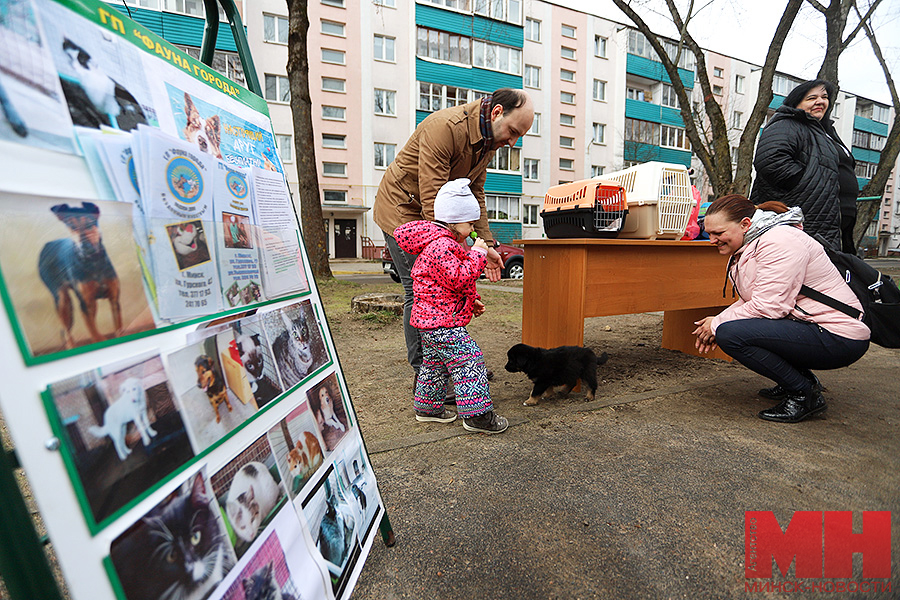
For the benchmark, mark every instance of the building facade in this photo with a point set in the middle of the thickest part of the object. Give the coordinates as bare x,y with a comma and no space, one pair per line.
602,99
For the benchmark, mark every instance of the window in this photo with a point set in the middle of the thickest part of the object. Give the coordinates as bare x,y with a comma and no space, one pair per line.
869,141
782,85
567,164
736,119
385,102
881,114
567,97
335,195
388,3
638,44
599,133
532,30
440,45
568,31
277,89
718,72
275,29
739,84
734,155
566,141
642,132
566,75
332,28
501,10
334,140
535,125
505,159
530,214
717,90
433,96
596,171
599,90
337,3
332,169
384,48
497,58
637,94
531,168
566,52
334,113
673,137
502,208
532,77
462,5
227,63
333,84
600,46
669,97
568,120
284,145
335,57
384,154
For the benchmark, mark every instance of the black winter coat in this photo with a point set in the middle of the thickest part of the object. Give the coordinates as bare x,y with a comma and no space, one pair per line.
797,163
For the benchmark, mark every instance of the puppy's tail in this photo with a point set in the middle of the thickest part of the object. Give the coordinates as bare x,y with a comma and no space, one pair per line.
97,431
602,358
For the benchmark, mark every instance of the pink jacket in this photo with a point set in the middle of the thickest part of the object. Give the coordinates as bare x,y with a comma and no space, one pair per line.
444,275
768,273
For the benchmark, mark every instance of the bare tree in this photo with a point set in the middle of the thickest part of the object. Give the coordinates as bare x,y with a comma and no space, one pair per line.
311,217
708,131
836,14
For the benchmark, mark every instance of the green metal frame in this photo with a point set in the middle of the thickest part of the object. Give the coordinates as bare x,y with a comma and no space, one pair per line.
211,32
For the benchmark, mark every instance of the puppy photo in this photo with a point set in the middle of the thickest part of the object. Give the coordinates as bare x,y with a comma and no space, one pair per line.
206,133
210,380
562,366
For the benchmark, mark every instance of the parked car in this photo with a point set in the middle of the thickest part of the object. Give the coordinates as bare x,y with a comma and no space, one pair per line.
513,262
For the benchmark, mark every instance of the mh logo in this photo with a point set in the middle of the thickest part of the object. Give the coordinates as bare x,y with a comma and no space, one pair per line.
822,542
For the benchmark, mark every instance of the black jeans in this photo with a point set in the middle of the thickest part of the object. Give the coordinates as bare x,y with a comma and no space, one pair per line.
404,261
785,350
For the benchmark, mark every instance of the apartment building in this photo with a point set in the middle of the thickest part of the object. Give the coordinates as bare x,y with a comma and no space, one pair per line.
602,98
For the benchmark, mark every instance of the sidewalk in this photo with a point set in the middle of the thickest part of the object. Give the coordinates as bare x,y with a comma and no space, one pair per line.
355,266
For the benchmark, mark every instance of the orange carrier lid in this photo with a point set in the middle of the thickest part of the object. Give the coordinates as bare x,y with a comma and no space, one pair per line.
587,193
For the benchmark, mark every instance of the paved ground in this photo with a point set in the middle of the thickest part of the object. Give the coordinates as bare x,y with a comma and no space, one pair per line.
637,496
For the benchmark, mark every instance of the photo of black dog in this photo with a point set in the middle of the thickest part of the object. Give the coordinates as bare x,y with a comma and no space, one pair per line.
562,366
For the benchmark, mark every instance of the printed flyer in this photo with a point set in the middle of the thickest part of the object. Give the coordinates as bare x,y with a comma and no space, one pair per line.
236,243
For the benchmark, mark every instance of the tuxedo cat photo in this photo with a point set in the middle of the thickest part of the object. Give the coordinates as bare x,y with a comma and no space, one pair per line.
177,550
296,342
256,356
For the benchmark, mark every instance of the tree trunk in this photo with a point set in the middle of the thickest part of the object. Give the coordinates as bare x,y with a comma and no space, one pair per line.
311,218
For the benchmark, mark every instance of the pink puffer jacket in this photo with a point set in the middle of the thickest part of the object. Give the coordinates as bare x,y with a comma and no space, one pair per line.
444,275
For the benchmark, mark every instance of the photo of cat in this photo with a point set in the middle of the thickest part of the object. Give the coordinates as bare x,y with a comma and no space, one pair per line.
327,405
122,429
297,448
355,474
257,359
249,491
177,550
297,342
266,576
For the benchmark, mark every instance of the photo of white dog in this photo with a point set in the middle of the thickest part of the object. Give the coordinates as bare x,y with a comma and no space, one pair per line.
129,407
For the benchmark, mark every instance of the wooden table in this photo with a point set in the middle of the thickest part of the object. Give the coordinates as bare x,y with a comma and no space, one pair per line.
568,280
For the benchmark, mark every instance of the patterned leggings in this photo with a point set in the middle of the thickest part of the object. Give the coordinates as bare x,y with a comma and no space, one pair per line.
451,352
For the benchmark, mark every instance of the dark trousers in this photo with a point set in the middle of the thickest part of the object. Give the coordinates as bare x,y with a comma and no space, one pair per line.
785,350
404,261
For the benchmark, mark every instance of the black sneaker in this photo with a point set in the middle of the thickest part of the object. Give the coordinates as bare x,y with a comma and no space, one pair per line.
778,393
445,416
795,407
488,422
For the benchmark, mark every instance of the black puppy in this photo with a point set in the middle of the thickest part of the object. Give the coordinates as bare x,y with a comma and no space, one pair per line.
564,366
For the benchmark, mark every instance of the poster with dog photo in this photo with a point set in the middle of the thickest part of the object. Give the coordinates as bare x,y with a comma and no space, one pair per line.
70,272
179,549
211,387
178,201
34,107
218,132
249,492
333,527
296,341
101,73
327,405
122,431
236,244
297,448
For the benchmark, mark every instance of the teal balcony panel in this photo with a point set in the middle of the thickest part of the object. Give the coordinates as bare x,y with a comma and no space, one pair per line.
506,231
651,69
640,152
647,111
864,155
179,29
869,126
503,183
472,78
861,182
444,20
498,32
776,101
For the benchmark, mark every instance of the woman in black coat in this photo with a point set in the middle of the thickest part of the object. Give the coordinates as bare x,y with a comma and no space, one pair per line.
801,161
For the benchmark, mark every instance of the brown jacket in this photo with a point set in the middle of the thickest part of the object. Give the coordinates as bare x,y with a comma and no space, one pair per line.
445,146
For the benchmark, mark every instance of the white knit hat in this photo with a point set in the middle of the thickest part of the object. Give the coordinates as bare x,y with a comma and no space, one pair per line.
455,203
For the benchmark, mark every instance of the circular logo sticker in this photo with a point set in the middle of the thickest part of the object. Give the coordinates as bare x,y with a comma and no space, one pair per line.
132,175
237,184
185,181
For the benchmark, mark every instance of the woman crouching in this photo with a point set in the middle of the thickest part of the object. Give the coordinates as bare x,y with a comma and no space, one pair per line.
772,329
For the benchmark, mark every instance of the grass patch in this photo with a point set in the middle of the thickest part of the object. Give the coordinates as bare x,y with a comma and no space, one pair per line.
379,317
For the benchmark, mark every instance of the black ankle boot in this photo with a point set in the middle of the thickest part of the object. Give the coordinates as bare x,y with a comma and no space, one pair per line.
795,407
778,393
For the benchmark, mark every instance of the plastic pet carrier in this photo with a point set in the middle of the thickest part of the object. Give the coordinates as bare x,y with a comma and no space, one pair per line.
588,208
659,200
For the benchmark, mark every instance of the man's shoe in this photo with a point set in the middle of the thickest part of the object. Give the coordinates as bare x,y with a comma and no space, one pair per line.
488,422
778,393
795,407
445,416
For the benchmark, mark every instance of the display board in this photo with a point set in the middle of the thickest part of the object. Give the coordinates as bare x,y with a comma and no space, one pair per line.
169,378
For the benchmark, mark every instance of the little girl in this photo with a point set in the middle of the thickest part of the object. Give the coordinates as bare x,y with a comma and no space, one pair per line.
444,301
